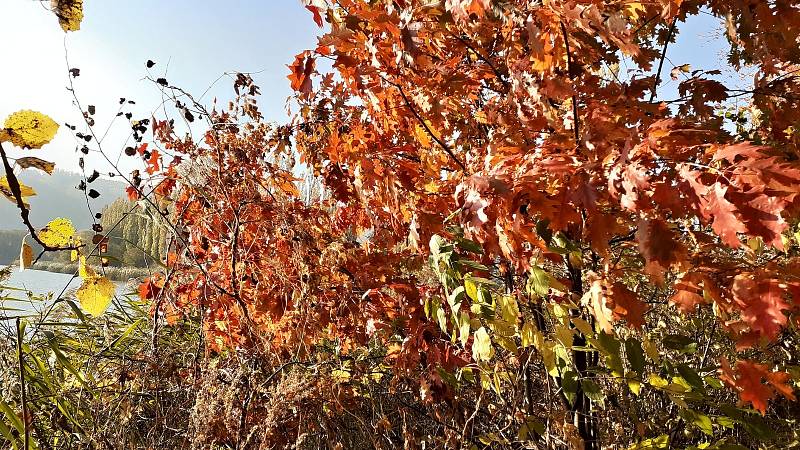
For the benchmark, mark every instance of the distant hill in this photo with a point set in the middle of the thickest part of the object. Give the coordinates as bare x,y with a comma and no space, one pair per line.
57,196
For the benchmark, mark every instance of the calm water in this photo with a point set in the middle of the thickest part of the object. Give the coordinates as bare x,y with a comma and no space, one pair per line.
40,283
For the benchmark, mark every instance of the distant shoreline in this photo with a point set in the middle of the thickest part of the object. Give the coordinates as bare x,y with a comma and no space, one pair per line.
113,273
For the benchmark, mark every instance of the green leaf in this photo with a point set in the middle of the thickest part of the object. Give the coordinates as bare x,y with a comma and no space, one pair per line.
569,384
751,421
538,282
713,382
609,345
470,246
635,354
456,296
658,443
701,421
6,433
683,344
12,416
474,265
593,391
691,377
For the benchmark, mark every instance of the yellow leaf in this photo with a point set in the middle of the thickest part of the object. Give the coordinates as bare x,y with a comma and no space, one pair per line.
69,13
527,334
29,129
25,256
564,335
583,326
85,270
482,349
633,9
651,350
422,136
37,163
25,191
95,294
57,233
635,386
509,310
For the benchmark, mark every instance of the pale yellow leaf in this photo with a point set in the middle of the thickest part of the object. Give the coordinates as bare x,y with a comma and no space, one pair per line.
463,328
29,129
95,294
482,349
57,233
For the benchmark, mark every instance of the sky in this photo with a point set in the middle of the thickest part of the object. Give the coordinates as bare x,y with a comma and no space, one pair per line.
193,43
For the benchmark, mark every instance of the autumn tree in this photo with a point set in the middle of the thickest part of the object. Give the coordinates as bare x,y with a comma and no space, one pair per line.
545,249
590,194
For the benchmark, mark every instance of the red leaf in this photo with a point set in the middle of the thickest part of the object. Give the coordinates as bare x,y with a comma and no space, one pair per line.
726,224
762,304
659,246
626,305
747,380
688,292
153,165
743,149
151,287
133,193
317,17
302,68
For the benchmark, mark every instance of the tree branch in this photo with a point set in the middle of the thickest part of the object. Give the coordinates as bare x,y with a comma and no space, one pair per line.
657,80
24,212
428,130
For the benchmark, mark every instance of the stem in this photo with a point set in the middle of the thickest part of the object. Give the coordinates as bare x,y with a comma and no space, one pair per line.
657,81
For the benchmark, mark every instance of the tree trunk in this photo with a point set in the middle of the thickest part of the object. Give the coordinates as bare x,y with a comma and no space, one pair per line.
582,415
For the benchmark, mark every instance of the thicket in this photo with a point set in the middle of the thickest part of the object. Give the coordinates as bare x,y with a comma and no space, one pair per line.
504,241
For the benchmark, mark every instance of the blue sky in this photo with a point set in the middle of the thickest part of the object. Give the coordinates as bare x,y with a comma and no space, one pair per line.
193,42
